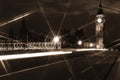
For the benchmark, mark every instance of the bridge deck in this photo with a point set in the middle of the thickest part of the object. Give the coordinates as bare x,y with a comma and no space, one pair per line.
115,71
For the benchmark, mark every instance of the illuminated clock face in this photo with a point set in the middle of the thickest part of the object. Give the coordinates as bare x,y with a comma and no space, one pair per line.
99,20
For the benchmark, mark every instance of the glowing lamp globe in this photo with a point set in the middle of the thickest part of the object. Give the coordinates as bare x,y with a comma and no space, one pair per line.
56,39
79,42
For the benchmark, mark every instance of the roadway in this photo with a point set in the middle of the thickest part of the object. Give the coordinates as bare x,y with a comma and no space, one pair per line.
85,65
115,71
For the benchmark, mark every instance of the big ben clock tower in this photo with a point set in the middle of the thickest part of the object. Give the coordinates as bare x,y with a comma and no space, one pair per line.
100,27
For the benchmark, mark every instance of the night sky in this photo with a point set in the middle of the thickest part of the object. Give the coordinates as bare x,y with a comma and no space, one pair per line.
76,13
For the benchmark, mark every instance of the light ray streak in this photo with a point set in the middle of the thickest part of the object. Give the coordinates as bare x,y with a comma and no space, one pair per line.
68,65
4,37
4,66
113,9
78,28
9,38
43,13
116,40
65,14
3,33
16,18
45,69
31,55
116,45
24,70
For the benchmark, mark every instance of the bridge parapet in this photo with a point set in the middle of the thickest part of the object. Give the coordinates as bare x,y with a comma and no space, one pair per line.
29,45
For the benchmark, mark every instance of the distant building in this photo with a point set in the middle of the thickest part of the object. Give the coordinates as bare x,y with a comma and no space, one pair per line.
23,31
87,44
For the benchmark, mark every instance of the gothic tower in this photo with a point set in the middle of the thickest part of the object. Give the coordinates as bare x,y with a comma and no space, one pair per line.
100,27
23,31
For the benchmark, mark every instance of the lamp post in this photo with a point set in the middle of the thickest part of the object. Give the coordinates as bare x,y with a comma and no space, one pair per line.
56,39
91,45
97,46
80,42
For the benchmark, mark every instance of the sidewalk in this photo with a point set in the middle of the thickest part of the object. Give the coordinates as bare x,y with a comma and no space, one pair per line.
115,71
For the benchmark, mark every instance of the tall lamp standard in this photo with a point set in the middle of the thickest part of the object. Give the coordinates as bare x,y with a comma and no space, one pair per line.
80,42
56,39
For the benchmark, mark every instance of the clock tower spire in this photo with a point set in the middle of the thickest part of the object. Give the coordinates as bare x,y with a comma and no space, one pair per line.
100,27
100,9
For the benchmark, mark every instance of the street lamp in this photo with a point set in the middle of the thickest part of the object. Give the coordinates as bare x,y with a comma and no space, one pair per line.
80,42
91,45
98,46
56,39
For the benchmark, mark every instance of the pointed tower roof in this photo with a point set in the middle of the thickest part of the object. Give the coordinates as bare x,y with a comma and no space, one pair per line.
23,30
100,9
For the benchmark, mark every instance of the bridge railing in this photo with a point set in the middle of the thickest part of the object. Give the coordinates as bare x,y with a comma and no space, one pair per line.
29,45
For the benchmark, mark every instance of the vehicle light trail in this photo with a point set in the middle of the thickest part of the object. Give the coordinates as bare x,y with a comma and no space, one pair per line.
31,55
91,49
